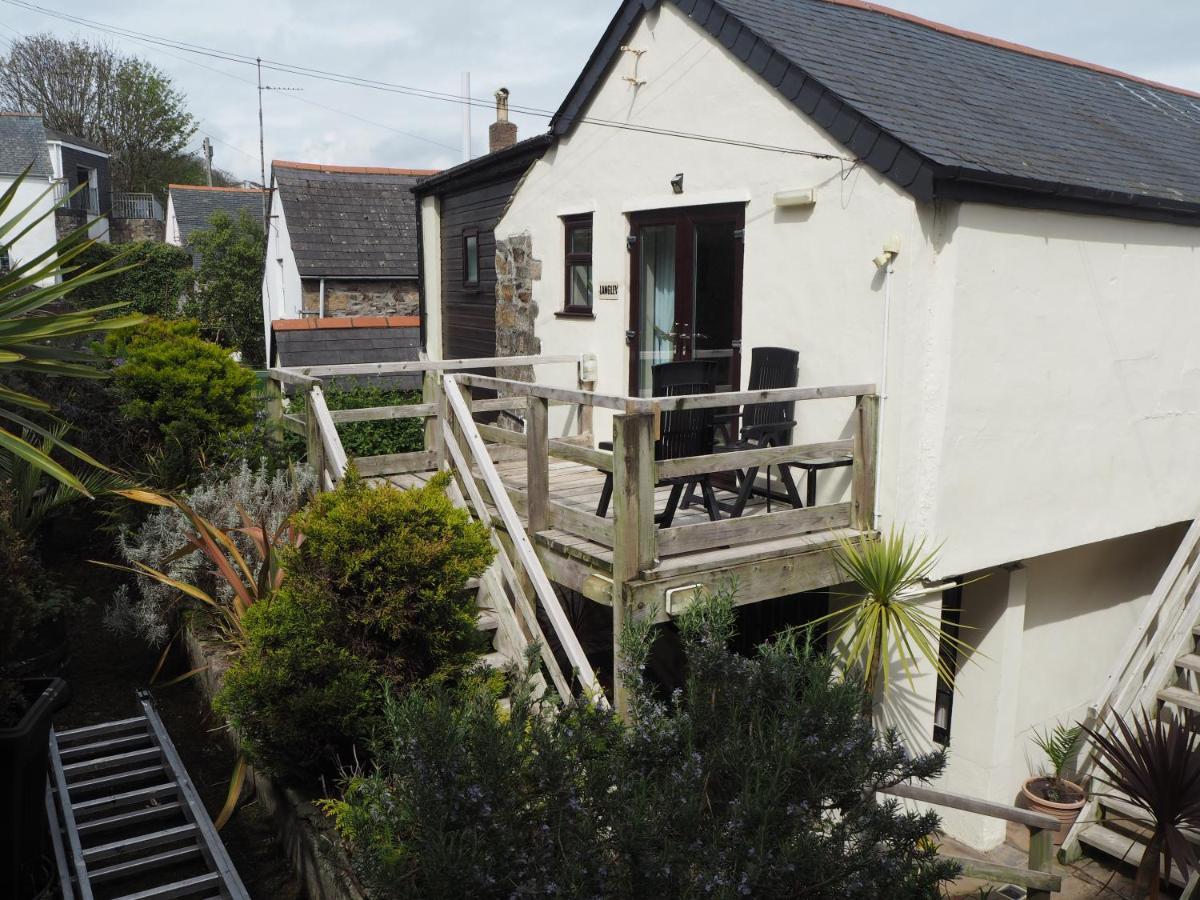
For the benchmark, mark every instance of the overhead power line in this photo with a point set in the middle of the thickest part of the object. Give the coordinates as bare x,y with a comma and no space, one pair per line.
407,90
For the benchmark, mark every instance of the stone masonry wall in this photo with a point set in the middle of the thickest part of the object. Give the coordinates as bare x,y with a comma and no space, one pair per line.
516,271
67,220
349,297
124,231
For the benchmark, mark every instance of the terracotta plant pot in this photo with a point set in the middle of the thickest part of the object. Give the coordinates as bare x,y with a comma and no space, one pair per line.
1066,813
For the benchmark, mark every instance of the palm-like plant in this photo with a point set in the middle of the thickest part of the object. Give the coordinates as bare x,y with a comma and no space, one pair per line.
1156,764
28,330
887,614
1058,743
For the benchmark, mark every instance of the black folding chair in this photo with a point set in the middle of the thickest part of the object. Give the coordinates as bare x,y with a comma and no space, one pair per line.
683,433
766,424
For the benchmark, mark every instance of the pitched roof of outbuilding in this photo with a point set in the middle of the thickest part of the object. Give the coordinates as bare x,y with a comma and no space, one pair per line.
947,113
350,220
65,138
195,204
22,143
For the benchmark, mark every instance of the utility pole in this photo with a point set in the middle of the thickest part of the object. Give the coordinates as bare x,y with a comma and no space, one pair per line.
262,154
208,160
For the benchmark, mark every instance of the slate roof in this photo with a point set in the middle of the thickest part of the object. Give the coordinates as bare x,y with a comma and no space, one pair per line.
53,135
23,141
947,113
195,204
350,221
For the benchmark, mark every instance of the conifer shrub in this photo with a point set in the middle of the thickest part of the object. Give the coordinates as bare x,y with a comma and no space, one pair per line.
182,393
374,594
758,779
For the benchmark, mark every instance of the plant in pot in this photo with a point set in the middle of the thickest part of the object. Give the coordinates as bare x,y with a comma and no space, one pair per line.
1051,792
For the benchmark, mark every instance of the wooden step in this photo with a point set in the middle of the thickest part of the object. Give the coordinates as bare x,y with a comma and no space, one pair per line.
1189,661
1180,696
496,660
1120,847
1131,817
487,620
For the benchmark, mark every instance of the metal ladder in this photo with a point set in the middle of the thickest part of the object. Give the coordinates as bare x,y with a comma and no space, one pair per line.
126,821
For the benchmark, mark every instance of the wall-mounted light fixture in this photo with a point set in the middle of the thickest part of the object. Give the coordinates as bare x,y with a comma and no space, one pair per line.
677,184
795,198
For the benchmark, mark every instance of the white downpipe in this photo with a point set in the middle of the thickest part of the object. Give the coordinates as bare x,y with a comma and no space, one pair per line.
883,384
321,301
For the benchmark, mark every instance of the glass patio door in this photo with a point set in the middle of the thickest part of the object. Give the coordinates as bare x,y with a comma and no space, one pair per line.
686,288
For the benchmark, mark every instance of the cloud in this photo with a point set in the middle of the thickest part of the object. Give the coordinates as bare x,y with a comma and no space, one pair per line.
535,48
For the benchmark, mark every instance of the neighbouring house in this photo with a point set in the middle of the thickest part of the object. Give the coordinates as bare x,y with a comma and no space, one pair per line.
24,147
342,263
83,167
191,206
1004,241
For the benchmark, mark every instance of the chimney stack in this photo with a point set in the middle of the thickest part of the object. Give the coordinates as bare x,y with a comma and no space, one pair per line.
502,133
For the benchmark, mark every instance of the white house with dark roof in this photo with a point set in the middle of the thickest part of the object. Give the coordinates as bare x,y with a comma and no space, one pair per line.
191,206
1005,242
24,148
342,251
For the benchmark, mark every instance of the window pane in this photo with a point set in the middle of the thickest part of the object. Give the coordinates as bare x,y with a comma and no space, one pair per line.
581,239
581,286
471,263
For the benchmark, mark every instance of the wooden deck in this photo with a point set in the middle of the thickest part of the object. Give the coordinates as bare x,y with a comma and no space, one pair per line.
764,568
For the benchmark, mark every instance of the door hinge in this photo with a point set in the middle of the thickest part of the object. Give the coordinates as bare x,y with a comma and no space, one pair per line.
630,241
739,234
630,337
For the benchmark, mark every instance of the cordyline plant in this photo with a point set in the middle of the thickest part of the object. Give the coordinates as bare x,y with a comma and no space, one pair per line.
887,612
1156,764
28,331
245,586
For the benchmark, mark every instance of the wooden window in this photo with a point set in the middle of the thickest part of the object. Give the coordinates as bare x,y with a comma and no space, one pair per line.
577,298
470,258
943,702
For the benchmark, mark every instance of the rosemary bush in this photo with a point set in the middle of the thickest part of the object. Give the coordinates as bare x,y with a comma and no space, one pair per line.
756,779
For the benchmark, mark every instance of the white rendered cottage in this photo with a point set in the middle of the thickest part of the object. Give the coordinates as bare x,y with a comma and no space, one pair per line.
1006,242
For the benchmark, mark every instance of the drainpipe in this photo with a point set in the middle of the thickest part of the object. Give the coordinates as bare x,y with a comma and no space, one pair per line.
883,381
321,301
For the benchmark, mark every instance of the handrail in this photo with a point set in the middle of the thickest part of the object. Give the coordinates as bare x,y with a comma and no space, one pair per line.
1038,880
429,365
461,415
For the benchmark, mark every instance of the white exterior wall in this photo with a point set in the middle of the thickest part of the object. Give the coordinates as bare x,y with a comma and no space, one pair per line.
171,233
43,235
282,296
431,274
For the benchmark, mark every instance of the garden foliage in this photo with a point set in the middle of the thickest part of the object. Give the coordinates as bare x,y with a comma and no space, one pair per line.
158,276
374,591
182,393
379,437
227,295
756,779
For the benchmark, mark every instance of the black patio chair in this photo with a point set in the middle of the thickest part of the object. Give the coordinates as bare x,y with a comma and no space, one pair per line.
683,433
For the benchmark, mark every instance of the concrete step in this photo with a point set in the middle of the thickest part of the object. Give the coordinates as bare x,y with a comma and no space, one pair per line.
496,660
1189,661
1118,846
1181,697
487,620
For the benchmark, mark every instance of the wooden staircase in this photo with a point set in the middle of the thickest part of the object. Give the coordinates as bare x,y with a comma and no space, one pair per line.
1158,671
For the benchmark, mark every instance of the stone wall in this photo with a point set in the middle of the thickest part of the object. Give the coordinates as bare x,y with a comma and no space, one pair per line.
68,220
350,297
516,312
123,231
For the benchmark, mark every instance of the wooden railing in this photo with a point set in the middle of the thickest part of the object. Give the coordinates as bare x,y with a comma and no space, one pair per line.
1147,661
516,585
1038,879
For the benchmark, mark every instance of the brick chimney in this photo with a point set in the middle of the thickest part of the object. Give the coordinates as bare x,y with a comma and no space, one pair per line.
502,133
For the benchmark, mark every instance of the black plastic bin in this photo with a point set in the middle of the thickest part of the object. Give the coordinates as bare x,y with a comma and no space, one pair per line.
24,752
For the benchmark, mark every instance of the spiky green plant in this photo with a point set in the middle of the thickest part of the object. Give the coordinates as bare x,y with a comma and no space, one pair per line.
1156,764
886,613
1058,743
28,331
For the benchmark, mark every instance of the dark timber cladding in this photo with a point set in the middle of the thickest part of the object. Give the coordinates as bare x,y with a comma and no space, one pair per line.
474,196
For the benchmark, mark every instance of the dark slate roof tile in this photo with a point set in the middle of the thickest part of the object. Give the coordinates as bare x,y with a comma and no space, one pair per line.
22,143
194,205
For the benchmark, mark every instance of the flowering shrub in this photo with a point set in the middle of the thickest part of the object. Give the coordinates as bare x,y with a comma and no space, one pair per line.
757,779
375,591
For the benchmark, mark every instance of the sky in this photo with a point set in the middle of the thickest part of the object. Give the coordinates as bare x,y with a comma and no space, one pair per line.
535,48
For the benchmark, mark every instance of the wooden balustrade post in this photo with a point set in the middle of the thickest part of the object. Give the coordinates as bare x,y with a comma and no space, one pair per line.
586,381
866,458
537,462
274,401
316,447
635,538
431,392
1041,857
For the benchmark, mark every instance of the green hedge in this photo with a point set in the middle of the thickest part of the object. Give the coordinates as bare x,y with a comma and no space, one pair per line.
377,438
155,284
